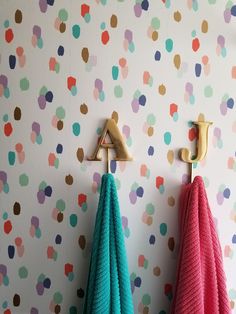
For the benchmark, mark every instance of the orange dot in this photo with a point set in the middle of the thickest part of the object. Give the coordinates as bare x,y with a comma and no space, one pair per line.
233,72
19,147
19,51
8,129
122,62
9,35
18,241
195,44
205,60
105,37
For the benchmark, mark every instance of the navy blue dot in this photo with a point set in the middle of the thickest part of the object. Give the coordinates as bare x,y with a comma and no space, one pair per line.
49,96
12,62
58,239
145,5
59,149
230,103
48,191
142,100
47,283
226,193
60,51
198,69
150,150
152,239
80,293
137,282
139,191
113,166
233,10
11,251
50,2
234,238
157,55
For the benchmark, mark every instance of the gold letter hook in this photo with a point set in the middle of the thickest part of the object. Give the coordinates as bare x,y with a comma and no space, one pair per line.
202,144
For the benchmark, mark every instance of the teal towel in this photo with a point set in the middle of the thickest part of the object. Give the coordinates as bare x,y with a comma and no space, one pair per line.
108,288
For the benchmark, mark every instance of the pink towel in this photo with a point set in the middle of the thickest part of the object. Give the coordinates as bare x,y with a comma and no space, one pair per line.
200,284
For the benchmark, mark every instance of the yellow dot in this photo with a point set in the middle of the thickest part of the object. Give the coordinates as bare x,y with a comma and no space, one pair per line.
177,61
170,156
162,89
150,131
177,16
204,26
171,201
154,35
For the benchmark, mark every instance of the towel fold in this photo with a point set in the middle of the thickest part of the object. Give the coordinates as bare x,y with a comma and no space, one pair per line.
200,284
108,288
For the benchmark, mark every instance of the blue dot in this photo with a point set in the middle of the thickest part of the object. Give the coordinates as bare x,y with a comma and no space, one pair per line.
150,150
139,191
59,149
113,166
58,239
145,5
50,2
11,251
60,51
152,239
234,238
230,103
49,96
12,62
137,282
226,193
198,69
233,10
47,283
158,55
142,100
48,191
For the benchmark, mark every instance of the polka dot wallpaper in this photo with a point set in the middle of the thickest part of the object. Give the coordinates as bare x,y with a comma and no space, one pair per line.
154,67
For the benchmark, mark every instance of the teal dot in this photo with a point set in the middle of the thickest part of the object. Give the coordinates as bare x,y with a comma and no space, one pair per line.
39,139
84,207
169,44
42,186
6,280
192,99
4,305
61,205
194,33
151,119
232,294
87,17
60,113
5,117
146,299
131,47
6,92
71,276
11,158
99,131
127,232
23,179
73,90
63,15
5,216
6,23
118,184
38,233
73,220
57,67
155,23
223,52
6,188
208,91
73,310
102,95
115,72
175,116
40,43
23,272
24,84
129,141
102,26
163,229
167,4
76,31
167,138
211,1
195,6
76,128
118,91
161,189
57,298
150,209
103,2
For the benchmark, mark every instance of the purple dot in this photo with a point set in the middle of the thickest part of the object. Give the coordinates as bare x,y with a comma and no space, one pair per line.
145,5
227,15
41,196
98,84
133,197
157,55
36,127
60,51
43,5
58,239
40,288
217,132
128,35
223,108
220,198
198,69
35,221
137,282
3,270
3,177
189,88
152,239
230,103
48,191
42,102
150,150
226,193
97,177
34,311
124,221
113,166
142,100
47,283
37,30
49,96
135,105
139,191
3,80
137,10
59,149
221,41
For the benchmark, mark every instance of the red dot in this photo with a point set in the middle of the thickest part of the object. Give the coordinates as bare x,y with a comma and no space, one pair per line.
81,199
71,81
8,129
105,37
9,35
84,9
68,269
7,311
7,227
192,134
195,44
173,109
159,181
168,288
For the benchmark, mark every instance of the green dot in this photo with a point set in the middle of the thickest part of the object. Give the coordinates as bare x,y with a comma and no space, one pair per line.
11,158
5,216
76,128
146,299
76,31
133,276
115,72
60,113
163,228
167,138
57,298
195,6
208,91
43,91
87,17
169,44
151,119
24,84
42,185
73,310
118,184
229,4
63,15
155,23
23,272
6,92
103,2
61,205
102,26
145,264
211,1
40,43
137,94
134,186
150,209
5,117
57,67
56,163
118,91
23,179
73,220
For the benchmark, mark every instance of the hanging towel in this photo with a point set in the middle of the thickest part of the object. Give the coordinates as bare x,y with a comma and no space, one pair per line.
200,285
108,288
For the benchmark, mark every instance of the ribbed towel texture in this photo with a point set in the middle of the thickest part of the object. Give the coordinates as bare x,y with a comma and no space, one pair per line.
200,284
108,287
